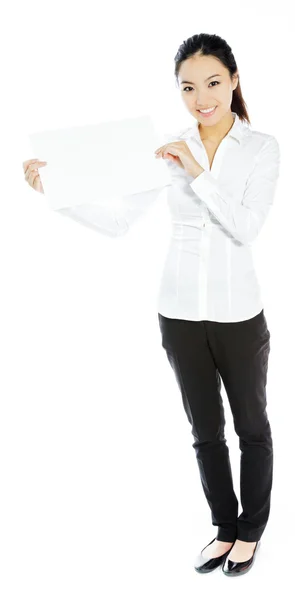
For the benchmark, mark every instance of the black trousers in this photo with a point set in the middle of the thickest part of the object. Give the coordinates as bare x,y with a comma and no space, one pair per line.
200,353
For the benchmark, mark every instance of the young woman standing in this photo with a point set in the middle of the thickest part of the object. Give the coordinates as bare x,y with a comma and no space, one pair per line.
211,315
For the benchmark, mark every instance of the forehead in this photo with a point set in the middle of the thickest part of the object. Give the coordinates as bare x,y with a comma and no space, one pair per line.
197,68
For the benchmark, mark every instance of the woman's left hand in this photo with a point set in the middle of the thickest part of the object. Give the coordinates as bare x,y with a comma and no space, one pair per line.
180,154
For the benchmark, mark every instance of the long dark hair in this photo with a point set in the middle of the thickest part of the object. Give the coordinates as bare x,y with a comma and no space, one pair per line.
206,44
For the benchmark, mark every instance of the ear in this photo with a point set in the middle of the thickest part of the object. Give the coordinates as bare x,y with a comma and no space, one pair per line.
235,80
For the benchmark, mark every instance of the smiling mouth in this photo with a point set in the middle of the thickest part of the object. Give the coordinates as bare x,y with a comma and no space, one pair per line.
208,112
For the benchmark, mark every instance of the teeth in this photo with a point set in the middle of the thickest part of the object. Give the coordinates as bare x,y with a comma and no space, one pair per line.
208,110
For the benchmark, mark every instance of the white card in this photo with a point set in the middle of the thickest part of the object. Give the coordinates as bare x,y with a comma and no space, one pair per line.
104,161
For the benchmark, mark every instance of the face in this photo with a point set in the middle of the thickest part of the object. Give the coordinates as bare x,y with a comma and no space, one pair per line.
204,91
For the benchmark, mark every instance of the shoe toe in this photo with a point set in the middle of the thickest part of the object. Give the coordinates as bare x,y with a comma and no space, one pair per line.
206,565
231,567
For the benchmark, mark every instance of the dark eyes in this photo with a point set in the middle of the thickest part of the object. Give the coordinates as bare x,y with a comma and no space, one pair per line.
218,82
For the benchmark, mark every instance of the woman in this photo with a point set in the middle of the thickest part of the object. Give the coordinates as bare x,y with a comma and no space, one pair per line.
211,316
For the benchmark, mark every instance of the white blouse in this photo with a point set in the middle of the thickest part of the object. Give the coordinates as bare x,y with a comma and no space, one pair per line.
208,272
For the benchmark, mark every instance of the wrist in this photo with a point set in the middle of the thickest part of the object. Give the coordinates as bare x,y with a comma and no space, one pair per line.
197,171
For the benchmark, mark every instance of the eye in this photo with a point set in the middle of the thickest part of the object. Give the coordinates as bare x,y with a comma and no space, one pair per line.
218,82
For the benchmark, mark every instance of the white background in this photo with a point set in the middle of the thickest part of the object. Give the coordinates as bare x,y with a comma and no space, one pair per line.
100,495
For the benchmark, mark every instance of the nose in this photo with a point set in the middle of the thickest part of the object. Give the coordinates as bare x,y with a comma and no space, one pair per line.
202,102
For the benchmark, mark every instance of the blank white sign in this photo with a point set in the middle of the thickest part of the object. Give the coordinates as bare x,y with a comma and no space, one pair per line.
102,161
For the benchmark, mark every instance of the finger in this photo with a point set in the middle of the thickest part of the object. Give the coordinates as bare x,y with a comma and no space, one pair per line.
32,178
29,173
29,170
33,163
159,149
27,162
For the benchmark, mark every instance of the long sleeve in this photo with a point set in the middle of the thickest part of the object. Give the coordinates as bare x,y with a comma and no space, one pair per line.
111,220
244,220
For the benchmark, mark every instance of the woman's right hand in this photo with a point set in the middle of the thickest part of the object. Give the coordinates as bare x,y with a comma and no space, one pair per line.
31,172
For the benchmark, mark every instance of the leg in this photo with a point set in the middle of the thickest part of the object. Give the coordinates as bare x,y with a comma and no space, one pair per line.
242,351
189,355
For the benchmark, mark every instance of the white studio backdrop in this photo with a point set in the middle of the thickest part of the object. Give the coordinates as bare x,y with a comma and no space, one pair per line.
100,490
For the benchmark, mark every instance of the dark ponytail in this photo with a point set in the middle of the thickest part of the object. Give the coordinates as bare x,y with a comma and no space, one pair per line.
205,44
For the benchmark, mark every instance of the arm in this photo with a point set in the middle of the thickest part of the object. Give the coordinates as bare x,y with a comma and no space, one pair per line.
244,221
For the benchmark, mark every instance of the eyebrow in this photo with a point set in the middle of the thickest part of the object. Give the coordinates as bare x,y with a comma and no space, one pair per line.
216,75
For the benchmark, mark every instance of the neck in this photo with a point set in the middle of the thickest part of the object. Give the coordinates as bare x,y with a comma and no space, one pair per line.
214,133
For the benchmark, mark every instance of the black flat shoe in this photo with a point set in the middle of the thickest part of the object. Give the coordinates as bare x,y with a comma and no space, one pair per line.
239,568
206,565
